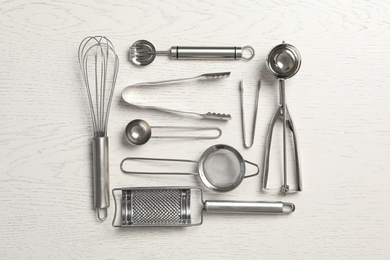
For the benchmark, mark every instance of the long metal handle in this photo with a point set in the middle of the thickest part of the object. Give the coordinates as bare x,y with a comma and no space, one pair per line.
225,206
208,115
285,187
268,147
254,115
128,98
101,199
290,125
211,76
296,150
156,160
210,53
186,132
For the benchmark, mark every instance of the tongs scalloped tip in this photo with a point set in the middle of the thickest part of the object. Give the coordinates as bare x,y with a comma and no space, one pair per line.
218,75
208,115
219,116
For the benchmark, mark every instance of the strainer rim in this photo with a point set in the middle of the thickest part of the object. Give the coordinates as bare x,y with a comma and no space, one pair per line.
203,176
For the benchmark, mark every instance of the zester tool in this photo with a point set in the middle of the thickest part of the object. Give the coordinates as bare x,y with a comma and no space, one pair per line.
171,207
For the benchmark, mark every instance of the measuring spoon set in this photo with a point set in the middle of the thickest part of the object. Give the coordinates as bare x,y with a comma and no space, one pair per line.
221,168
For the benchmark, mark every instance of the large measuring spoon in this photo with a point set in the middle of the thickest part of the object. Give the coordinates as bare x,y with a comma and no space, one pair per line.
283,62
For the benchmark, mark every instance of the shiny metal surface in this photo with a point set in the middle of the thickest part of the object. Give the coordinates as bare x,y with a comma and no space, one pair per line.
153,207
228,206
156,206
171,207
204,76
139,132
128,98
101,193
254,120
221,168
283,62
99,66
211,53
143,53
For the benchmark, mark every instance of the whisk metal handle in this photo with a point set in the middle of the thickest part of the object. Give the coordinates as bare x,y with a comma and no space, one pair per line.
260,207
100,177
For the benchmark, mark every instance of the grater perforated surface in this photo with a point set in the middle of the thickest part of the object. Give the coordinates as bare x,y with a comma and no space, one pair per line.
151,207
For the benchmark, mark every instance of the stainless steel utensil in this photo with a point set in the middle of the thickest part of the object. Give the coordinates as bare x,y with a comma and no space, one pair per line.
254,115
99,66
127,97
139,132
171,206
283,62
143,53
220,168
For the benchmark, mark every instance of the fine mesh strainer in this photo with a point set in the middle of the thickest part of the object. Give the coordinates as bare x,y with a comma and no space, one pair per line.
220,168
171,206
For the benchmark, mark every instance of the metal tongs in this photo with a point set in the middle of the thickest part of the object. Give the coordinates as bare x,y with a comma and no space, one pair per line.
126,95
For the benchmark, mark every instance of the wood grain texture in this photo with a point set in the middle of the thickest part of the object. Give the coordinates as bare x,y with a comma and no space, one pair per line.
339,102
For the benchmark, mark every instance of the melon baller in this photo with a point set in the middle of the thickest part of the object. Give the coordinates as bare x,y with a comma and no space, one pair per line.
283,62
143,53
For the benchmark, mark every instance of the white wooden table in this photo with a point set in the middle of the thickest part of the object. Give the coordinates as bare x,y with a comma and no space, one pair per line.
339,100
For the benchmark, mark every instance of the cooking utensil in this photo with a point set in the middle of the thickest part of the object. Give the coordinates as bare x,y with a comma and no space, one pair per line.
171,206
143,53
254,115
127,97
99,66
139,132
283,62
220,168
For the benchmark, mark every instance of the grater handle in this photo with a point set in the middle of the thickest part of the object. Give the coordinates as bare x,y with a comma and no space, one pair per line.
259,207
101,199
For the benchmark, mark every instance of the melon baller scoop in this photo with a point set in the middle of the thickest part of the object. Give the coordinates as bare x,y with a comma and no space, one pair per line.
283,62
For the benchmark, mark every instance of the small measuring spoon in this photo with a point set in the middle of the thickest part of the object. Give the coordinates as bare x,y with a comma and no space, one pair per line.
283,62
139,132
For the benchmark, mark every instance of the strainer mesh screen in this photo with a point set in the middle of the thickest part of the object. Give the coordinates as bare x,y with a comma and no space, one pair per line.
222,168
152,207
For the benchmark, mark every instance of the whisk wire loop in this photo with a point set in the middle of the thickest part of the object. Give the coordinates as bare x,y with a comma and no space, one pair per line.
99,65
100,51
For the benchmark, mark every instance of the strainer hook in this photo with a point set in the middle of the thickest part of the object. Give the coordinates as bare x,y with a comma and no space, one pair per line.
254,174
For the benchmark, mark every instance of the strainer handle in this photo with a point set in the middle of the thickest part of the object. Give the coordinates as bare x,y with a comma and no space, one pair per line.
259,207
156,160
